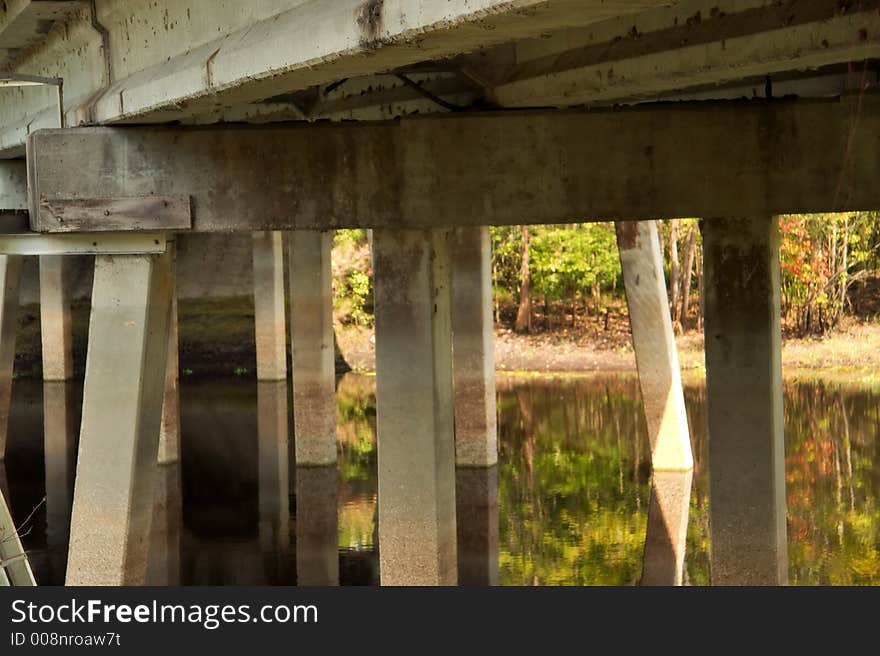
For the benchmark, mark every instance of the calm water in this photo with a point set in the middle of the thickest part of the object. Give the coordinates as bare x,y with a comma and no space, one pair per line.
572,487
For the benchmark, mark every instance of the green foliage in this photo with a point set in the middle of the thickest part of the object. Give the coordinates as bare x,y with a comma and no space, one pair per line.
571,261
352,278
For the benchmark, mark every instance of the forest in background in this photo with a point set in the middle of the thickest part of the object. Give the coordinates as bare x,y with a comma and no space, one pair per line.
553,277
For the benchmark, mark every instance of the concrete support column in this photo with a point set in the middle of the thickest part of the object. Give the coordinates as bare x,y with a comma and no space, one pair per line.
473,348
654,344
273,441
476,492
10,277
121,417
416,447
311,337
317,526
169,432
59,446
55,323
269,322
744,388
662,399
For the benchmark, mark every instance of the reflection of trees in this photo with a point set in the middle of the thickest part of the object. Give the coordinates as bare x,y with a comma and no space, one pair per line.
574,467
570,513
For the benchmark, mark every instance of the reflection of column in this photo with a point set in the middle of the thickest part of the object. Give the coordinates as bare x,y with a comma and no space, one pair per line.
59,443
163,565
476,440
666,535
416,448
744,390
317,527
476,493
272,436
55,322
10,275
121,416
269,322
311,337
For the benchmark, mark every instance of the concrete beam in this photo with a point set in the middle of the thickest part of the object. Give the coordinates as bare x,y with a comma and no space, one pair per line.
187,58
415,425
685,46
269,323
311,339
473,348
747,515
654,345
122,413
667,160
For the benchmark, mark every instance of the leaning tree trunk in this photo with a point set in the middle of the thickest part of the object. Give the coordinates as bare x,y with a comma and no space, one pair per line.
673,271
688,273
524,314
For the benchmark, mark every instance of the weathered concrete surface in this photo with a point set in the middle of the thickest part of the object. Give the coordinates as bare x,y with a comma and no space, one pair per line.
269,323
666,534
793,156
654,345
747,515
122,413
55,325
473,348
476,511
415,424
60,433
13,185
692,44
273,439
10,276
317,526
311,340
169,431
183,58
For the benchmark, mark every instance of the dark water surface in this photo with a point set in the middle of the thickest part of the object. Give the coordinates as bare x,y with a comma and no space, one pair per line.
572,484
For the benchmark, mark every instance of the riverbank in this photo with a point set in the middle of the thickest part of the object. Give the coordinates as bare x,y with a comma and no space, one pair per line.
217,339
855,345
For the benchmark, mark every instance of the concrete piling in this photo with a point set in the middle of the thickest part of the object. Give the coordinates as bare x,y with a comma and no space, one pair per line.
473,348
122,413
311,337
416,449
747,513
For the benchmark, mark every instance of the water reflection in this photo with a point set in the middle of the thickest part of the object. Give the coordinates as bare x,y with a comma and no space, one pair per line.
666,532
317,526
476,514
163,565
569,503
61,414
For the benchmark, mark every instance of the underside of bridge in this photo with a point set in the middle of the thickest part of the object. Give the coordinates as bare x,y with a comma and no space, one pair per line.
126,125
